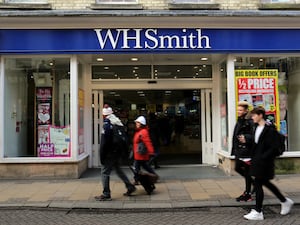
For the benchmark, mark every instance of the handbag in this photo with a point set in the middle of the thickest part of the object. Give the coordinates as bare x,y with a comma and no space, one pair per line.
142,149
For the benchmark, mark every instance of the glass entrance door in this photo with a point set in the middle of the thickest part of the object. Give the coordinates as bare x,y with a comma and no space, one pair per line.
176,113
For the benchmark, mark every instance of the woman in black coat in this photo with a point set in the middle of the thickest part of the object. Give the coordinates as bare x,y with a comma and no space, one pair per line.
263,165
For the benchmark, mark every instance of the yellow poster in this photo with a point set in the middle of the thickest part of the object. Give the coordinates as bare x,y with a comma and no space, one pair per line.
259,88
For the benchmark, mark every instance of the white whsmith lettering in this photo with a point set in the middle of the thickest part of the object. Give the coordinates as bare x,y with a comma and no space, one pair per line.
186,40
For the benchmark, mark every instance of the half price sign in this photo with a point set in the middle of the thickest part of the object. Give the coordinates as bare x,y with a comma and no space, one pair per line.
259,88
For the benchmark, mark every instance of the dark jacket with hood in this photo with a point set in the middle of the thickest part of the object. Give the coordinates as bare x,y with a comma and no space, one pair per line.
244,126
107,148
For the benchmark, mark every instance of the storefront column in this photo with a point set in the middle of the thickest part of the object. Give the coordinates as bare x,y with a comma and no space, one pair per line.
74,106
231,98
216,126
1,107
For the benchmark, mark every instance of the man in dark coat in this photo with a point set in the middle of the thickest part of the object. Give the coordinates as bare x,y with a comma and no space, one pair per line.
241,148
263,165
110,156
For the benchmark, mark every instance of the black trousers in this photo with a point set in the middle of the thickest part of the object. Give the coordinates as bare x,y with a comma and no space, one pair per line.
244,169
259,183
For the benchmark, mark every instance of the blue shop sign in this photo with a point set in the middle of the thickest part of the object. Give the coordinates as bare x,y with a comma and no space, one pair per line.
148,40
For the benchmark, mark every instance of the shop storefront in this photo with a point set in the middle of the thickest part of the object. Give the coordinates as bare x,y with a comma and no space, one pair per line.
55,81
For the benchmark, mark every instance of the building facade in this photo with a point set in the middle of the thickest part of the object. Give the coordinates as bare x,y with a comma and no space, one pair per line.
186,62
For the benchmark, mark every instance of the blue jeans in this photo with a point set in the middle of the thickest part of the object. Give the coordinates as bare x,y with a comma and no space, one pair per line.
109,164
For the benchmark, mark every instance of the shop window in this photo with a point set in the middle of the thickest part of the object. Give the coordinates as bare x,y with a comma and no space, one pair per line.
121,72
282,102
182,71
116,1
194,4
37,107
278,1
27,1
152,72
191,1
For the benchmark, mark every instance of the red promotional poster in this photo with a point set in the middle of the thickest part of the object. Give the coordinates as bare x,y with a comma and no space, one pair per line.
259,88
44,105
44,94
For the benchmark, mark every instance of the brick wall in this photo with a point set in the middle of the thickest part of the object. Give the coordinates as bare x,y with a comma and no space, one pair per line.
154,4
71,4
238,4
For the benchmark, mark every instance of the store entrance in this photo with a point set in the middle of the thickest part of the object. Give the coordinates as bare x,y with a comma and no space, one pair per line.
174,114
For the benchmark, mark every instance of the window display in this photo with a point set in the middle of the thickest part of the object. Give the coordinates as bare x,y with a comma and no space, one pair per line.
280,100
37,107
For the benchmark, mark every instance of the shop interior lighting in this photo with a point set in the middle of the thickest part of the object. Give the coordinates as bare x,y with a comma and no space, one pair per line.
204,59
134,59
106,68
100,59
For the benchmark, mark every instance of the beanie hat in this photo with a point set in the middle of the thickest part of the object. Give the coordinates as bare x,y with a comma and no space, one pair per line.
141,120
107,111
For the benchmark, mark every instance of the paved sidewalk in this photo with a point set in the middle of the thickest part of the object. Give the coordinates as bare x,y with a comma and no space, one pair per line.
170,193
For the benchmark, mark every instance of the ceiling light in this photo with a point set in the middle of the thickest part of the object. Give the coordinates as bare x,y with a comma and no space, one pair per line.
100,59
134,59
178,71
136,67
261,60
106,68
204,59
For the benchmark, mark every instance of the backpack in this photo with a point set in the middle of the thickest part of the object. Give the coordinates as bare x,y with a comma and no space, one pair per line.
281,144
280,140
120,140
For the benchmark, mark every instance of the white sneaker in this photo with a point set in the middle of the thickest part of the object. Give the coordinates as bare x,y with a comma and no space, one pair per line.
254,215
286,206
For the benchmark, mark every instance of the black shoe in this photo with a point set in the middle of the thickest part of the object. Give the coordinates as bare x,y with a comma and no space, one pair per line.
245,197
102,198
130,191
